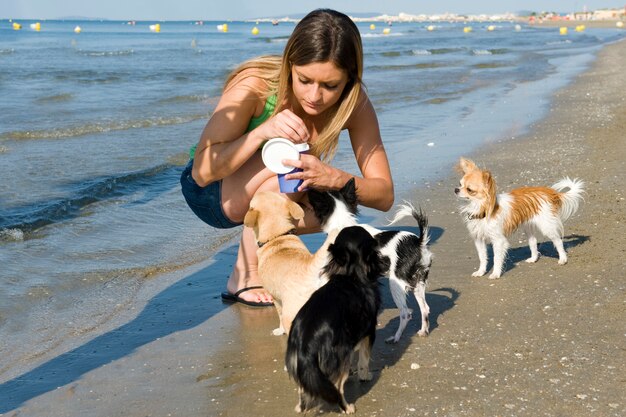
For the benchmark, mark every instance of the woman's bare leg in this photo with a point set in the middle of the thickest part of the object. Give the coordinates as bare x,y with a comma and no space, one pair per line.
237,192
244,272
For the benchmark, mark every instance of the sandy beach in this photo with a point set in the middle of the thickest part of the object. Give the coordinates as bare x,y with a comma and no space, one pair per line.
544,340
574,23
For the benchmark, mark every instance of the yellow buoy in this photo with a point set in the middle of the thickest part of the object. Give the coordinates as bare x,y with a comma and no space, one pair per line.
372,27
255,30
620,24
491,28
155,28
386,31
77,29
35,26
580,28
430,28
16,26
225,28
467,29
563,30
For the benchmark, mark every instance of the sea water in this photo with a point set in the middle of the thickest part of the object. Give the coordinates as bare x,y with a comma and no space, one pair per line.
95,129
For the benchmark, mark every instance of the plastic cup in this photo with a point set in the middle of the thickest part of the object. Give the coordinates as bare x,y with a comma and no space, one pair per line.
277,149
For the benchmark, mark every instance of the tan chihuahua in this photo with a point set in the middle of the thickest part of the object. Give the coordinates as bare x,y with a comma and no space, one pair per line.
288,271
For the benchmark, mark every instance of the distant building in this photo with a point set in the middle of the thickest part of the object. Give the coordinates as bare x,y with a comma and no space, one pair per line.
602,14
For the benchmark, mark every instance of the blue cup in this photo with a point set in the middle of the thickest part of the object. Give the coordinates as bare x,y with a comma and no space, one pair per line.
291,186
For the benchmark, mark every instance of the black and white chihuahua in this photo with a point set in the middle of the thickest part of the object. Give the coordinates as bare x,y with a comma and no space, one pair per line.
408,253
338,319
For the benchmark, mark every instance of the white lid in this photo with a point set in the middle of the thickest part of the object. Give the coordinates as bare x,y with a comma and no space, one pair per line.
277,149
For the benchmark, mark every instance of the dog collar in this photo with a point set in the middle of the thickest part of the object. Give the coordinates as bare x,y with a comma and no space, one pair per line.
476,216
290,232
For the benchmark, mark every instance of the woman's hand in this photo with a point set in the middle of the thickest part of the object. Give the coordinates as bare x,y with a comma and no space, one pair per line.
285,124
315,173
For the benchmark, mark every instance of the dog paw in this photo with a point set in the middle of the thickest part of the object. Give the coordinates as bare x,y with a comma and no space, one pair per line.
532,260
494,275
365,376
479,273
350,409
391,339
423,333
298,409
562,261
278,332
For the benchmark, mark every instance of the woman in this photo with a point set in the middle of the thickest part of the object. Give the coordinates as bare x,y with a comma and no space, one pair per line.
308,95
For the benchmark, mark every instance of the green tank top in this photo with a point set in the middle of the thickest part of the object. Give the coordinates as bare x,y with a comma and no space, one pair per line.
255,122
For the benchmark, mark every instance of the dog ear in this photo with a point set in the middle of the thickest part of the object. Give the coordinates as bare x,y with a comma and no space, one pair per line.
348,191
295,210
251,217
466,165
338,259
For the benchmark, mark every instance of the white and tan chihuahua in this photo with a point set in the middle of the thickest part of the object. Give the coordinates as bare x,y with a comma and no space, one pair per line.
491,218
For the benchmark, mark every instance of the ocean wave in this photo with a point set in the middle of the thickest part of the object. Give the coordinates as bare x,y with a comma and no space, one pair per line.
489,65
189,98
392,54
436,51
380,35
440,100
403,67
90,76
563,42
55,98
97,128
105,53
19,223
11,235
495,51
7,51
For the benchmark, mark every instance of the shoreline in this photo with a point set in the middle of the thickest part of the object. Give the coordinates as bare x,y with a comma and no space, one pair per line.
542,340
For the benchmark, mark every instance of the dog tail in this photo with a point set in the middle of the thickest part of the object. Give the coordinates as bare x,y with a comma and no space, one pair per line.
407,209
571,193
304,368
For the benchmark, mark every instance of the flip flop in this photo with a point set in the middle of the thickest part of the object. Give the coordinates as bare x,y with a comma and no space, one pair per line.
235,298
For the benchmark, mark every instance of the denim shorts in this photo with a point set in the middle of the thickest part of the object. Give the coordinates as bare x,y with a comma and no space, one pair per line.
205,202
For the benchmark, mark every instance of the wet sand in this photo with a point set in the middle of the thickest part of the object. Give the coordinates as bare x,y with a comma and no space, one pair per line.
544,340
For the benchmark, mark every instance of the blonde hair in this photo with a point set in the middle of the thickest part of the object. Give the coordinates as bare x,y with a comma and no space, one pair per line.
266,67
323,35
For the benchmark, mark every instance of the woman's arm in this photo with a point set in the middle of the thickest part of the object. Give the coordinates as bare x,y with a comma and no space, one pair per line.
224,146
375,187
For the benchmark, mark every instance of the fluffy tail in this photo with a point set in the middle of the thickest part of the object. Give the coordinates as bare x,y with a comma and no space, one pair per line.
572,197
305,370
406,210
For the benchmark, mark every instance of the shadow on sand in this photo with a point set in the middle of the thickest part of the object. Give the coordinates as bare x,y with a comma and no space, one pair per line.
546,249
187,303
183,305
386,355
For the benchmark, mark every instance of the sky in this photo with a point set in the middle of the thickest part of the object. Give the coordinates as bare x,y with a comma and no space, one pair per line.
251,9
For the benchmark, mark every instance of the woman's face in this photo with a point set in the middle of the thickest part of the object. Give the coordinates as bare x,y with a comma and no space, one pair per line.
317,86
